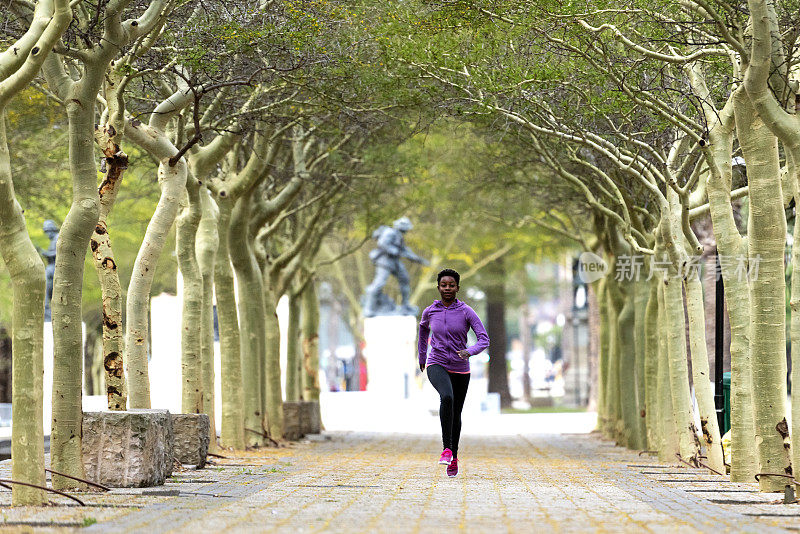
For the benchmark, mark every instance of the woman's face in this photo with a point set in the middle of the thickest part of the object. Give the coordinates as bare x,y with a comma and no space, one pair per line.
448,288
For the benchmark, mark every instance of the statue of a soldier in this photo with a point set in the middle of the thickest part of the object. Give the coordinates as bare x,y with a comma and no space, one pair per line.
51,230
391,248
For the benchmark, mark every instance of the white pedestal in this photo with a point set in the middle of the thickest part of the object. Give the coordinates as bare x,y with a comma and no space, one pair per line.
48,350
165,364
391,355
47,382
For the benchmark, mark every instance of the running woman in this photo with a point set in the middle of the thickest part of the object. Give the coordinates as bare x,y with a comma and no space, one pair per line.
447,321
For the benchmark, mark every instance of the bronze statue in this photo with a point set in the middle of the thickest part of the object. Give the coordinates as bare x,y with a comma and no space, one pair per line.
391,248
51,230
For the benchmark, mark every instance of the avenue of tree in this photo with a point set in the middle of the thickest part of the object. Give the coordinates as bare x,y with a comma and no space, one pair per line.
281,133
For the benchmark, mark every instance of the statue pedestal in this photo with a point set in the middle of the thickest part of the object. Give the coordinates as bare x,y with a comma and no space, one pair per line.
391,355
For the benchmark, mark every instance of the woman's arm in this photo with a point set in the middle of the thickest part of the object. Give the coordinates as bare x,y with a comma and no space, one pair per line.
422,341
480,332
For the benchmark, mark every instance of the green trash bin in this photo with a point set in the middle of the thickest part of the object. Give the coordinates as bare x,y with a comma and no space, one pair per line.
726,394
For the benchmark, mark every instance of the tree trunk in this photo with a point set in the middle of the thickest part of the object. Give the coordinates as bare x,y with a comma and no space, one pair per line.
206,245
191,314
252,322
626,334
293,366
496,329
73,241
766,230
650,379
594,343
602,356
612,394
310,333
232,431
775,108
172,180
112,338
27,326
272,397
641,291
700,373
668,429
794,327
682,411
744,462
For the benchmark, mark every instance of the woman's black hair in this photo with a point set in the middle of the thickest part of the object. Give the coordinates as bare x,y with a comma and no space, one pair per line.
448,272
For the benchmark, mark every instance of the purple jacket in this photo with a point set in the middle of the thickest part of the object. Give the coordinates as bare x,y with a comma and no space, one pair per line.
448,327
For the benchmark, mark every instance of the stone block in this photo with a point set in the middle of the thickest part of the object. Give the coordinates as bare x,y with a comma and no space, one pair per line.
300,418
192,434
292,421
313,418
128,449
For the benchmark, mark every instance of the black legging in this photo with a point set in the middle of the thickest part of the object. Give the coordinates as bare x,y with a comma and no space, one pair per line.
452,388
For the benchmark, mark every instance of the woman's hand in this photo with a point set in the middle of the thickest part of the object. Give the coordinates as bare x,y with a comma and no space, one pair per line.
463,354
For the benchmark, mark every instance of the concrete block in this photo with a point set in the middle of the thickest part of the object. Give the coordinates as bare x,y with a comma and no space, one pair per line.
192,434
300,418
128,449
313,419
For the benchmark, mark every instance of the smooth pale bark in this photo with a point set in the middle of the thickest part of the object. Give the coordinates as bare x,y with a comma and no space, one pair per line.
310,343
594,343
191,323
766,229
641,296
250,291
731,245
73,242
19,64
113,343
794,326
293,360
172,181
27,332
674,238
668,445
232,424
602,383
764,77
206,245
612,394
700,373
629,416
650,380
688,443
272,399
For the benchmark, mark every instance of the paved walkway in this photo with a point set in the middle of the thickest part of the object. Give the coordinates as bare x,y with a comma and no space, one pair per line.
363,482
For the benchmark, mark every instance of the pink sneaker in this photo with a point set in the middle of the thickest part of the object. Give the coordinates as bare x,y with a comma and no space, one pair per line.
452,469
446,457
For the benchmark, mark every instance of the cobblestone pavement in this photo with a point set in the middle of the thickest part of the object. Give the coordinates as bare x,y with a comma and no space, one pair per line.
362,482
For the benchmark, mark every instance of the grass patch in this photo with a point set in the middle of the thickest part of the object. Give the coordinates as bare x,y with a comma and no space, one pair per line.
89,521
544,409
